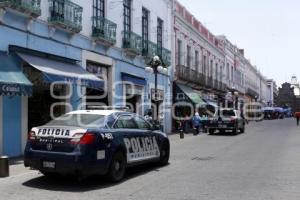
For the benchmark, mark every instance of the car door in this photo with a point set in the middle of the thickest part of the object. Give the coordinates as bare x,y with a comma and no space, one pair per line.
149,138
126,126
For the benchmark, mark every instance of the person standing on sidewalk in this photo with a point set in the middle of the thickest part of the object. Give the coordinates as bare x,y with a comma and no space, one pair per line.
196,120
297,116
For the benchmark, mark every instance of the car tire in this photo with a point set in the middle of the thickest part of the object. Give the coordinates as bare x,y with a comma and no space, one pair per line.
164,154
117,167
211,131
235,130
242,130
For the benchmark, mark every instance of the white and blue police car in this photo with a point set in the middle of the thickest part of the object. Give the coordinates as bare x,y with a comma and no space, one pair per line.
89,142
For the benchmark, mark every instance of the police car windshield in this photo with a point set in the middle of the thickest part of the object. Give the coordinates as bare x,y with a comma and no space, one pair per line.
79,120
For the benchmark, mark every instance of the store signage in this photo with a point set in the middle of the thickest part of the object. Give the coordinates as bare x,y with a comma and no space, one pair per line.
157,96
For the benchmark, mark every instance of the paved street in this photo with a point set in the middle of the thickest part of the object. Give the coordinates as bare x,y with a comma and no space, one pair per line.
263,163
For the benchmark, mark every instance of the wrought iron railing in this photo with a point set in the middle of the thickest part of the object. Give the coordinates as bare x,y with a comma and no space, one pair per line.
66,14
166,56
151,50
132,42
32,7
190,75
104,29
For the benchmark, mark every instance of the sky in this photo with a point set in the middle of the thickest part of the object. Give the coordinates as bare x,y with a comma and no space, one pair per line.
268,30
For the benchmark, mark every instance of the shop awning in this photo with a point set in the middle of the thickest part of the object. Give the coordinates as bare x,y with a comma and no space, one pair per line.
192,94
54,70
211,103
133,79
12,80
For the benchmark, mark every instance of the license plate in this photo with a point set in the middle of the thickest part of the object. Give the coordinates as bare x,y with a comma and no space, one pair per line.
222,126
47,164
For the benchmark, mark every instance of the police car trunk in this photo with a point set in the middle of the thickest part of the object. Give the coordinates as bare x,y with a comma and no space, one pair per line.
63,143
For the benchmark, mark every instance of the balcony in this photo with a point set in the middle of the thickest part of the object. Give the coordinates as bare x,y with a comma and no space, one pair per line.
65,14
104,30
166,56
132,43
29,7
183,72
190,75
151,50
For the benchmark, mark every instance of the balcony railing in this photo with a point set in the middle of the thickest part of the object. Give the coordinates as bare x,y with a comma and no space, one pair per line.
104,30
190,75
31,7
66,14
166,56
132,42
150,51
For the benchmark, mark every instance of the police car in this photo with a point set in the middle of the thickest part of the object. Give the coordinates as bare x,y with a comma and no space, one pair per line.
88,142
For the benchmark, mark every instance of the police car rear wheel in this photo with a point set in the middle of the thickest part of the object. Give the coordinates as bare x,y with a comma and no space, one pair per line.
117,167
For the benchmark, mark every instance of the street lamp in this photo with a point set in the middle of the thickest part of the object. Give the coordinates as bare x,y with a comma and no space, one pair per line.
155,66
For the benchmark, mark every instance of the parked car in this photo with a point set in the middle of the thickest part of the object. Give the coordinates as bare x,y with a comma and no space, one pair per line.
88,142
226,119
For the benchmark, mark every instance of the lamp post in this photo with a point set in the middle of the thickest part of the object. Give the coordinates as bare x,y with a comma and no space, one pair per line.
235,96
156,66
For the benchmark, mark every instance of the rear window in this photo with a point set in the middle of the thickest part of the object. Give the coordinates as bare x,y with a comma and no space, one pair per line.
79,120
228,113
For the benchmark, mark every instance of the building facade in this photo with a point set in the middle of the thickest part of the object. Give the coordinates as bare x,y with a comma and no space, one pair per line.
100,48
199,59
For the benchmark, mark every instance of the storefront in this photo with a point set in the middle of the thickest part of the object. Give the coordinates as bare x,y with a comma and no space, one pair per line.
14,90
134,90
187,101
57,86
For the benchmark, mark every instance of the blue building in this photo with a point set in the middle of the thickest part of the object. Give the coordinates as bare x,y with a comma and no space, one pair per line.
56,56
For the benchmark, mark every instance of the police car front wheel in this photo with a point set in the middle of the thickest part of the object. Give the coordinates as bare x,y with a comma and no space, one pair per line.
117,167
164,154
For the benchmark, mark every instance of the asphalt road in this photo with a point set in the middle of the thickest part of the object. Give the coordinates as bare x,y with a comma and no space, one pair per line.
263,163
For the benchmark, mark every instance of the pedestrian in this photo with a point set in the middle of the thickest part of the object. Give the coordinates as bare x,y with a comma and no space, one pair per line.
297,116
196,120
148,117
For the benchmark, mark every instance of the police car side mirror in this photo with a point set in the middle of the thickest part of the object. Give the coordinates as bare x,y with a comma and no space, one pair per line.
155,127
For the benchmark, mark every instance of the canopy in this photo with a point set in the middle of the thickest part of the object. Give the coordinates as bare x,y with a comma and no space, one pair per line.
192,94
54,70
12,80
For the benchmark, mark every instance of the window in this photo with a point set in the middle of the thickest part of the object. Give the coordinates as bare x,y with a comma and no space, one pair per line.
211,69
179,47
160,27
227,71
204,65
228,113
79,120
127,16
98,8
145,29
197,60
126,121
188,56
216,70
142,124
58,10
